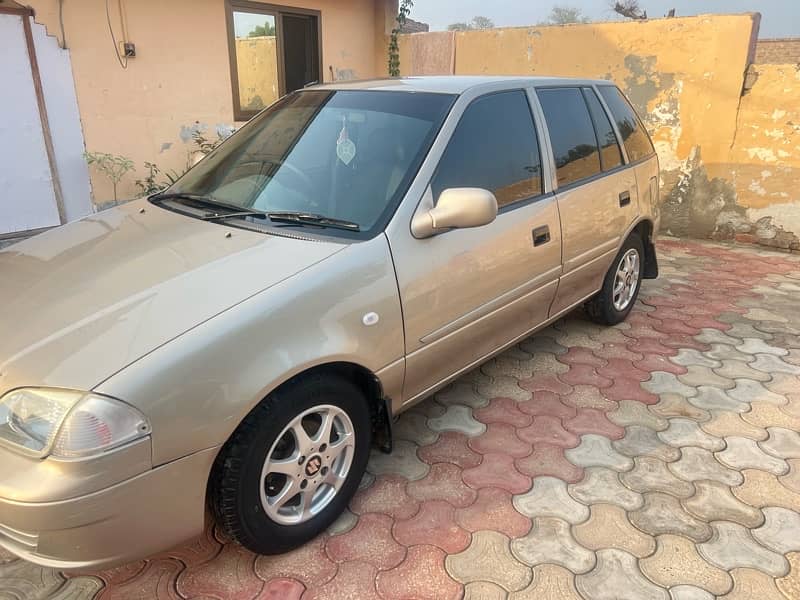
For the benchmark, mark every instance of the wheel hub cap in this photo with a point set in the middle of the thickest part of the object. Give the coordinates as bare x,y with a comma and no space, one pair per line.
313,466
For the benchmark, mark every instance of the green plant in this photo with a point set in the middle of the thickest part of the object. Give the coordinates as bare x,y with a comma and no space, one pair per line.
113,166
149,185
394,47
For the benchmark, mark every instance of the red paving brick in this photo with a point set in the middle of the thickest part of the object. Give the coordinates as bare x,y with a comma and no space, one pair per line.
497,470
493,511
232,575
548,430
547,403
370,541
354,580
282,589
549,460
308,564
433,525
584,375
387,495
421,577
501,437
502,410
443,482
592,420
451,447
548,383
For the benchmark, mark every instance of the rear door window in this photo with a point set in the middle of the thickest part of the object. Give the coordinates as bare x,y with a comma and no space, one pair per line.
494,147
571,134
634,136
610,152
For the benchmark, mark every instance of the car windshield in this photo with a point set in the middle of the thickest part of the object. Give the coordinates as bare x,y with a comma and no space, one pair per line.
347,156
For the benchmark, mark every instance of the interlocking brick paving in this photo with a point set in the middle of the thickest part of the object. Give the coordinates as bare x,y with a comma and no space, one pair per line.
656,459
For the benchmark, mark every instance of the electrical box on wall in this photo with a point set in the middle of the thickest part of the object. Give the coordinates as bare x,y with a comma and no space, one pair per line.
129,50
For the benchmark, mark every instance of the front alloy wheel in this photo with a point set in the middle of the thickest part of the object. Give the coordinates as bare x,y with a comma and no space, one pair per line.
291,467
307,465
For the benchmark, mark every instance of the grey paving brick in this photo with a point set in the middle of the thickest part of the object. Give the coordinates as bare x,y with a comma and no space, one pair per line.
744,453
457,418
601,485
662,382
747,390
617,577
686,432
596,451
732,547
769,363
712,398
759,346
697,375
780,531
550,541
549,498
461,393
630,412
697,463
690,356
714,501
663,513
782,443
643,441
689,592
738,369
652,475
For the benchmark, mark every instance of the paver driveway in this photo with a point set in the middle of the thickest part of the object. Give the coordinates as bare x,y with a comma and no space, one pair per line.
660,457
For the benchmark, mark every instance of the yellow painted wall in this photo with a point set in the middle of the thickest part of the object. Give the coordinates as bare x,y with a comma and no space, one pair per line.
724,158
257,68
181,74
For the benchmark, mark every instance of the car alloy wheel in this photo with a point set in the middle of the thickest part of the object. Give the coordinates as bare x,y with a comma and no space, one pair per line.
307,465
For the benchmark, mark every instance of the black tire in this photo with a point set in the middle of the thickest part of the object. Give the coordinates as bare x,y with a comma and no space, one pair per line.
601,307
234,488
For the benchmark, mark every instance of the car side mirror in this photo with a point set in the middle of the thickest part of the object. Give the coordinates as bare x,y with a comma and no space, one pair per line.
457,208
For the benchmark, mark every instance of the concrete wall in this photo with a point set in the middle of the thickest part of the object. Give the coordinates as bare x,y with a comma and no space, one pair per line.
685,76
765,161
181,74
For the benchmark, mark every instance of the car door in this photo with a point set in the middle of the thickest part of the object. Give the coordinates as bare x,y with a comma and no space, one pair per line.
596,194
468,292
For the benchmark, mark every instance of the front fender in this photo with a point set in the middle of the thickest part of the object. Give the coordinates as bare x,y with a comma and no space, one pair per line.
197,388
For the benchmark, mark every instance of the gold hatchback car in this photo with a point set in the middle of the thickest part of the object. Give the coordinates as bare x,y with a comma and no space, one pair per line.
242,340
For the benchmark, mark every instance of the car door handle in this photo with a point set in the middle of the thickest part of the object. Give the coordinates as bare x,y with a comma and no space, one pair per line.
541,235
625,198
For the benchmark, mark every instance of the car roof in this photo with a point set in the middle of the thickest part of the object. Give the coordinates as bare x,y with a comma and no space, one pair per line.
451,84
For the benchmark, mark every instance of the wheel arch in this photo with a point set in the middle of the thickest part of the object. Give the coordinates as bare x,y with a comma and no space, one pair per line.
644,228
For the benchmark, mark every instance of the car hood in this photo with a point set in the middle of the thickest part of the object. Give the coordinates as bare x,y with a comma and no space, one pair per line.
80,302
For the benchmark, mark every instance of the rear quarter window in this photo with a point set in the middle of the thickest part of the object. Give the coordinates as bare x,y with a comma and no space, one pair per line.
571,133
634,136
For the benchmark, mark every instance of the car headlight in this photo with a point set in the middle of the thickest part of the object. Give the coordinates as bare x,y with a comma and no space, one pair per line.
67,423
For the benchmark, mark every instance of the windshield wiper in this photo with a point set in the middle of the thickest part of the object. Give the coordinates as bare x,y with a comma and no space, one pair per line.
305,218
205,201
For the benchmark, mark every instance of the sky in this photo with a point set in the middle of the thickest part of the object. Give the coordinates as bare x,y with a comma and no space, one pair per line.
779,18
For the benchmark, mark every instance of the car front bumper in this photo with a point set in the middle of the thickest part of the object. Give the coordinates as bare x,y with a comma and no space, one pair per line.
133,519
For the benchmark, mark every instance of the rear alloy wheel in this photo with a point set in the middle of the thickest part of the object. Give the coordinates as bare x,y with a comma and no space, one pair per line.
293,464
621,285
